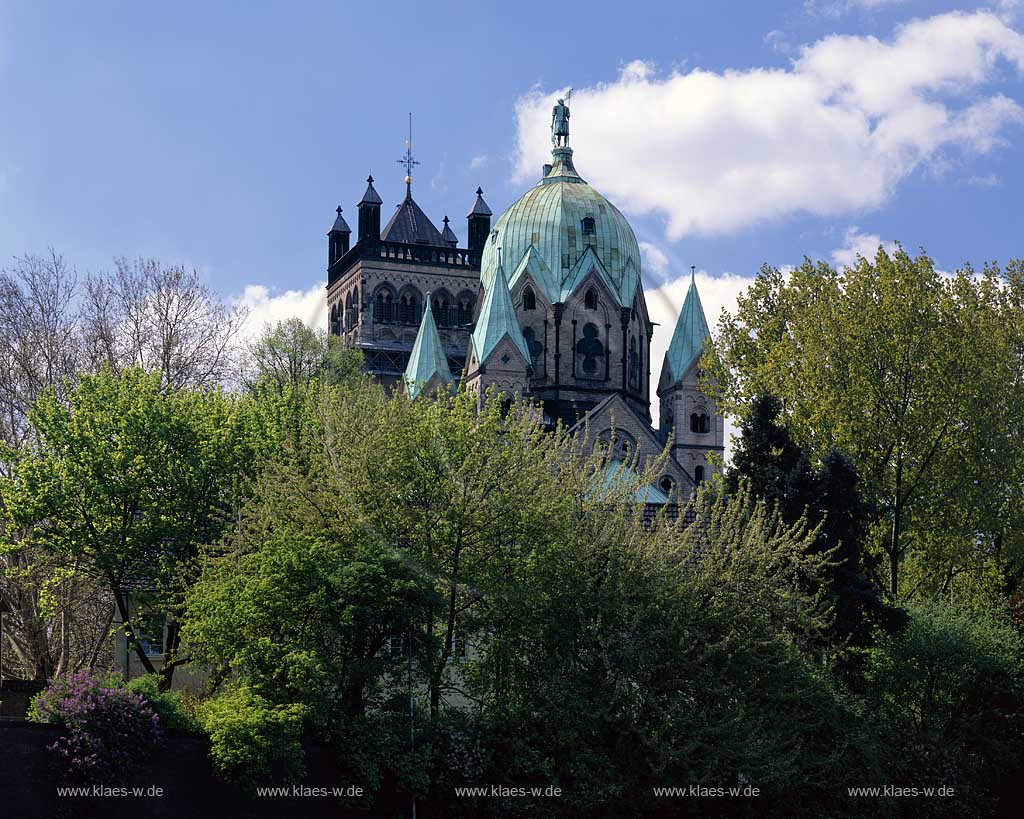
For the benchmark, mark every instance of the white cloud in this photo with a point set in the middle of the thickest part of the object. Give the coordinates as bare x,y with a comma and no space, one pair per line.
832,134
986,181
857,244
778,41
266,307
477,162
838,8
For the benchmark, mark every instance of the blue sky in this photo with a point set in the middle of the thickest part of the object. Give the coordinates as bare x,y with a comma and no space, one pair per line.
731,133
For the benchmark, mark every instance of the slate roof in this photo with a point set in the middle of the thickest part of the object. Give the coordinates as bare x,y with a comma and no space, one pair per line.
411,226
497,319
371,197
427,358
448,235
479,206
340,225
688,339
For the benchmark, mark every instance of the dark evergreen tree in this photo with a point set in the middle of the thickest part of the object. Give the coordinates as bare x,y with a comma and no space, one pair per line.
772,463
844,518
777,469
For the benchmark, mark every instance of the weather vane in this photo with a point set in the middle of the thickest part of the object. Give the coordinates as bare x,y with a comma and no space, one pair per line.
407,160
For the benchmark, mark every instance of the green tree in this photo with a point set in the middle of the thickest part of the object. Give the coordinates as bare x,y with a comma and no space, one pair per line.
906,371
289,355
129,479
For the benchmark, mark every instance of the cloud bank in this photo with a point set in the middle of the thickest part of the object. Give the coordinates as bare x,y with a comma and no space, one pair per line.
833,134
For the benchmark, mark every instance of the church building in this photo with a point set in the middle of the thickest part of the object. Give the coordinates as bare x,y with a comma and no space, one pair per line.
546,306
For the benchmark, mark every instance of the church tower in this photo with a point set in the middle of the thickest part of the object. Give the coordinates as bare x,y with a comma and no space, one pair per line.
693,417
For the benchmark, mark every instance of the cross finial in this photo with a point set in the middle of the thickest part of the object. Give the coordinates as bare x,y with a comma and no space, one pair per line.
693,272
339,210
408,160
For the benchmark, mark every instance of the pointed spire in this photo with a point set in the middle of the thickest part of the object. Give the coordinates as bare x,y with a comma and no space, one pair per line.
371,197
691,330
479,206
427,360
340,225
448,234
498,319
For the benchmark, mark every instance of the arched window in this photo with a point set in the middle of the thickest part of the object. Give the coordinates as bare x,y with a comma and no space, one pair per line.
465,310
589,350
529,299
619,443
588,225
409,307
335,320
698,475
700,422
352,308
442,309
384,306
590,299
666,485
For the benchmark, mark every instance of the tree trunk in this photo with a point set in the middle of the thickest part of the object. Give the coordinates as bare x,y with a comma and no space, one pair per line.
129,632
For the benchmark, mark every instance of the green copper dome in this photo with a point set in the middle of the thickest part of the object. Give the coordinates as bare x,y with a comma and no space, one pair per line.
560,218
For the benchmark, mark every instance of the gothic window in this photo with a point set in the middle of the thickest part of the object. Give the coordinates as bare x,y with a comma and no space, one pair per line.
384,307
700,422
409,307
529,299
352,310
535,346
590,299
465,309
590,350
442,309
698,475
634,364
588,226
619,443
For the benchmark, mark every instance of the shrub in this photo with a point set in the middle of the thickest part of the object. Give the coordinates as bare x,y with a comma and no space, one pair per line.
952,684
252,740
170,706
107,729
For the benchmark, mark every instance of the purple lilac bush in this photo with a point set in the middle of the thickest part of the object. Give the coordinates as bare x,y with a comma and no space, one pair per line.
107,729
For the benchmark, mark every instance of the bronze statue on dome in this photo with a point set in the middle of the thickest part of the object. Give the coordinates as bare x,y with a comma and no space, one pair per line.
560,124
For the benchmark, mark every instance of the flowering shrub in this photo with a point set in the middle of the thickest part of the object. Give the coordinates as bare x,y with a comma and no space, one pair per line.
107,729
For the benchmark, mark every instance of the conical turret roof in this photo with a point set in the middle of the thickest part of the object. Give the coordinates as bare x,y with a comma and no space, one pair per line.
497,320
371,197
340,225
688,339
427,359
